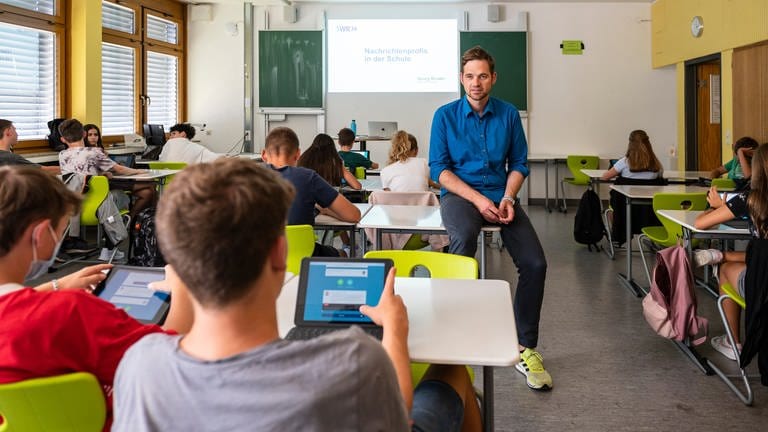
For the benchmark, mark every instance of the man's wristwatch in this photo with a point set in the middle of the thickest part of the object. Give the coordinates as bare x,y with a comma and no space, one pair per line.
511,199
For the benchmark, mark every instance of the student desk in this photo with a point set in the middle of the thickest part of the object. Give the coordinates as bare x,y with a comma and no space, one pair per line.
159,176
52,156
673,176
452,321
413,219
643,195
547,160
687,219
330,223
363,140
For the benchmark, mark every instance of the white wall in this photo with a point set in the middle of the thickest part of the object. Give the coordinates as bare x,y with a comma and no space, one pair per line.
577,104
216,77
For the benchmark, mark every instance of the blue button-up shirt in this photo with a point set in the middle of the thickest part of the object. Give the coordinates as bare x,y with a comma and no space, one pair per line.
480,149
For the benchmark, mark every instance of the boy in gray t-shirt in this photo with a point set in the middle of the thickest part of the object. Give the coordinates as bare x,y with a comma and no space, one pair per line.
232,371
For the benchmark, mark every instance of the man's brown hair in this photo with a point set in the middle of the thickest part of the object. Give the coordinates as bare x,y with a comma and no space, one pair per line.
282,141
29,195
4,124
216,224
346,137
71,130
477,53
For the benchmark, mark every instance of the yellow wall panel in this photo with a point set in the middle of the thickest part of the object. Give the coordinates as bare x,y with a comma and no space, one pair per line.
84,49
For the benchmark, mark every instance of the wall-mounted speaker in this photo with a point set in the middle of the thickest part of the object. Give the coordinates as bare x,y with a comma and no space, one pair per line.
290,14
495,13
201,12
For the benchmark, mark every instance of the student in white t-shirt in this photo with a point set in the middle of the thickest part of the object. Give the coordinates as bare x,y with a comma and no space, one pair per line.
179,148
406,172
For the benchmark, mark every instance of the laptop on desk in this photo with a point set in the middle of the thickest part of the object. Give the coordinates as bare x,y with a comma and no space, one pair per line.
381,129
331,291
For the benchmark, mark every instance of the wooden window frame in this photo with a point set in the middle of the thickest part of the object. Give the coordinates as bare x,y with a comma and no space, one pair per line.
57,25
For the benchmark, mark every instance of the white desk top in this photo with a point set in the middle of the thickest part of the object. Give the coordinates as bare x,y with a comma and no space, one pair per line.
372,183
688,218
544,157
452,321
688,175
148,175
326,220
647,192
403,217
52,156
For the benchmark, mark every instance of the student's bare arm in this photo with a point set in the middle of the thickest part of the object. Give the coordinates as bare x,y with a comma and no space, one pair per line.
344,210
611,173
351,179
713,217
717,172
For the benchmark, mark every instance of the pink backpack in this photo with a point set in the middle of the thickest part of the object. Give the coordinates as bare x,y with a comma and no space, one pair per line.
670,306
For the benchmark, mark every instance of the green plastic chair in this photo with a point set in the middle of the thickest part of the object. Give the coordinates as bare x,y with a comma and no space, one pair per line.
576,163
98,189
301,244
64,403
167,165
723,183
746,397
669,232
440,265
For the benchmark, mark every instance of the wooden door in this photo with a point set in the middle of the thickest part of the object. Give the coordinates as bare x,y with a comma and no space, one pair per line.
708,130
750,92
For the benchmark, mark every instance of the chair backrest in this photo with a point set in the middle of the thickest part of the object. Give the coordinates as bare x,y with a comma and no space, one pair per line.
439,264
70,403
167,165
576,163
301,244
723,183
98,189
677,201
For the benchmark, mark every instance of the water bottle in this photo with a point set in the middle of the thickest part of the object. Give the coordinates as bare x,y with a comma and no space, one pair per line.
353,126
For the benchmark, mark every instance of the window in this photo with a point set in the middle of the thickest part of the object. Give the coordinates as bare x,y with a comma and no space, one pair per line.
31,43
162,89
41,6
117,89
142,65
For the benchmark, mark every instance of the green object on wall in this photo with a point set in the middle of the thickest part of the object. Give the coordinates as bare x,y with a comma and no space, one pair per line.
509,50
290,69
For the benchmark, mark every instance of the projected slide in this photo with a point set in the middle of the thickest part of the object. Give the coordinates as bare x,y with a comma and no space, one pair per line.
417,55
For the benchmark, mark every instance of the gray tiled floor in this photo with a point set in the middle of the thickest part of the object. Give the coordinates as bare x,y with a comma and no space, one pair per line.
611,372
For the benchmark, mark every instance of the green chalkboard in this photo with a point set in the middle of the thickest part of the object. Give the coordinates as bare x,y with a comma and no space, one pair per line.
290,69
509,50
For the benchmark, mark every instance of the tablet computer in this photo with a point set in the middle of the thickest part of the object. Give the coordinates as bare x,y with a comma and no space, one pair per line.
127,288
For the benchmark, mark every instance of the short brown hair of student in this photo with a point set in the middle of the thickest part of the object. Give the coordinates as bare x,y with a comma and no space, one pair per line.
477,53
71,130
29,195
216,225
282,140
4,124
346,137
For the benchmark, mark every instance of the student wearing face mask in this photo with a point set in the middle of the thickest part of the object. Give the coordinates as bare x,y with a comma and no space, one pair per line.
71,329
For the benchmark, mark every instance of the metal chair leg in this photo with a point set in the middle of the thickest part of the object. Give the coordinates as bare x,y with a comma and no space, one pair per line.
642,256
746,397
563,208
607,225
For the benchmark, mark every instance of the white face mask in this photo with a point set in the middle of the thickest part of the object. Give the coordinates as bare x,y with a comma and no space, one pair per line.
39,267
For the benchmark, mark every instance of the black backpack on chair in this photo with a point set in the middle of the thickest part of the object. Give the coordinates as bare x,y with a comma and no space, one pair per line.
54,137
588,227
144,249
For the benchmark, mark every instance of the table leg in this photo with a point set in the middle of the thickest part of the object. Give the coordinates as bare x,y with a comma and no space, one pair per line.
352,249
482,254
362,146
364,242
627,280
488,398
378,239
557,187
546,186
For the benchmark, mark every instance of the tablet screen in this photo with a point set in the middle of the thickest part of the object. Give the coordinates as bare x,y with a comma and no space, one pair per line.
127,288
333,290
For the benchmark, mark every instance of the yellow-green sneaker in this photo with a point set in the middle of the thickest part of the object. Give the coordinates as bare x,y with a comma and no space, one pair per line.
532,366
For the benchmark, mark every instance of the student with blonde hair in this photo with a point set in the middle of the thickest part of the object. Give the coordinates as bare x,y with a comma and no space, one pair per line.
406,172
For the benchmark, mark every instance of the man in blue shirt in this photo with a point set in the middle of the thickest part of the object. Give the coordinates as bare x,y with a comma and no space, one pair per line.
478,153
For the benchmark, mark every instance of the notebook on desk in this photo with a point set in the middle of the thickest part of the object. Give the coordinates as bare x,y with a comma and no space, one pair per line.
382,129
331,291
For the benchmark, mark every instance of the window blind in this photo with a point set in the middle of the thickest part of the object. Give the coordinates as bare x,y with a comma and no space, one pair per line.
117,89
42,6
27,79
162,29
162,89
117,17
